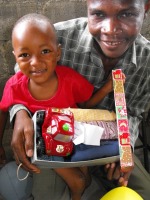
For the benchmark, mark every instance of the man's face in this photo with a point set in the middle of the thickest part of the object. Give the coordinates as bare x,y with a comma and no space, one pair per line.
115,24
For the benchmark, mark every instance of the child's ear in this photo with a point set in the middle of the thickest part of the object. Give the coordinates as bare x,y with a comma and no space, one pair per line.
13,53
58,52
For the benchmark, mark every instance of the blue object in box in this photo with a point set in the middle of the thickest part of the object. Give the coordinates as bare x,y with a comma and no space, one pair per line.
84,152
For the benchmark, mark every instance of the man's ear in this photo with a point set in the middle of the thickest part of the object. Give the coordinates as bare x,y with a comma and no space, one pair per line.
58,52
147,6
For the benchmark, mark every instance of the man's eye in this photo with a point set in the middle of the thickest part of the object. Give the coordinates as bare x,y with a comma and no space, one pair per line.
99,14
126,15
45,51
24,55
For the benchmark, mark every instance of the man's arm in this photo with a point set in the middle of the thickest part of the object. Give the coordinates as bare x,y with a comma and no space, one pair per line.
22,138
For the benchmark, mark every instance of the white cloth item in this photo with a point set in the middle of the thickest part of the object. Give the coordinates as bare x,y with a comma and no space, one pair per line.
87,134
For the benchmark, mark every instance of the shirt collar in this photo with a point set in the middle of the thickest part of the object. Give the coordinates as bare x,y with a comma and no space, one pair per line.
131,54
133,59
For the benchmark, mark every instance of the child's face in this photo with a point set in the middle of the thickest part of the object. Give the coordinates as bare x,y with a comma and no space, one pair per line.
115,24
36,51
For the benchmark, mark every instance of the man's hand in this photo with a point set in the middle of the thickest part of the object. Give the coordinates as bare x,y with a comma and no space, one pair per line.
114,173
22,141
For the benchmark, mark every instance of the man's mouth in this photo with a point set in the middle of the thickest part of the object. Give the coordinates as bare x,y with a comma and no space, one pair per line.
113,43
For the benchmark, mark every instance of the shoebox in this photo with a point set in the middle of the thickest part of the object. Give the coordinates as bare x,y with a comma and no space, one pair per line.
44,161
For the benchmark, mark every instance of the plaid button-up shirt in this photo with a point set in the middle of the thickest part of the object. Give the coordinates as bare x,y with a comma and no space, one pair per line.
78,52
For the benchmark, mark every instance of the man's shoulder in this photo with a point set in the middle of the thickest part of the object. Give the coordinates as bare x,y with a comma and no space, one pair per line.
78,23
142,52
143,43
72,33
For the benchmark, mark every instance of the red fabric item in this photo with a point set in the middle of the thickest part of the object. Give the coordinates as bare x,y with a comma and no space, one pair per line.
72,88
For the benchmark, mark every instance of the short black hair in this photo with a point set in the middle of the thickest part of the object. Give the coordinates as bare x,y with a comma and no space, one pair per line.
33,17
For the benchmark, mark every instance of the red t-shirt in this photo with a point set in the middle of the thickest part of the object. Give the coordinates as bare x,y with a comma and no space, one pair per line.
72,89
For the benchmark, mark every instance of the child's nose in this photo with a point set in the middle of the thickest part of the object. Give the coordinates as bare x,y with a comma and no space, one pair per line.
35,60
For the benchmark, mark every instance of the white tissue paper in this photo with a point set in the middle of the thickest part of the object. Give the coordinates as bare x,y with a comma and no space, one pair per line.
87,134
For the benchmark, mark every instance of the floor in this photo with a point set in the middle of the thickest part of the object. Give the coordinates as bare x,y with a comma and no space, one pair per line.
7,138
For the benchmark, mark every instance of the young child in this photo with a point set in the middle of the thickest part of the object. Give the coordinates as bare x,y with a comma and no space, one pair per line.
40,83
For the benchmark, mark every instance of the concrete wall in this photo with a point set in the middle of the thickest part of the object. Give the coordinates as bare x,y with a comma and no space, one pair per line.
57,10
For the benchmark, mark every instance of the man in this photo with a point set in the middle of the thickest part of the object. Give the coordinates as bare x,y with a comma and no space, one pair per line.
109,39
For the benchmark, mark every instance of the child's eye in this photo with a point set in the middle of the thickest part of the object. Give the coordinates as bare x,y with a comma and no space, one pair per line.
24,55
45,51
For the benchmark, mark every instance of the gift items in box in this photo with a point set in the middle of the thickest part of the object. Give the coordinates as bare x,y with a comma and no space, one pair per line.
77,137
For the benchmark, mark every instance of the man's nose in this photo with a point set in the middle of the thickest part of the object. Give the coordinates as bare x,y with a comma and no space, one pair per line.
111,26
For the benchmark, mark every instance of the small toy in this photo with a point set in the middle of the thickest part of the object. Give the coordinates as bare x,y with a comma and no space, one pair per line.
122,193
56,131
126,160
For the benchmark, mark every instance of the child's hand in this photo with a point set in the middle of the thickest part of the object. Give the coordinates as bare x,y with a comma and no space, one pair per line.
2,156
109,83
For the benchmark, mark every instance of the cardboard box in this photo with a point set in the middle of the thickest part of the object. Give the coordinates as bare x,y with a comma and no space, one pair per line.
45,161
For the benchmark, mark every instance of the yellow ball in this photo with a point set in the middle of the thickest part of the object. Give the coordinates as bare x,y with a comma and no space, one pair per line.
122,193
